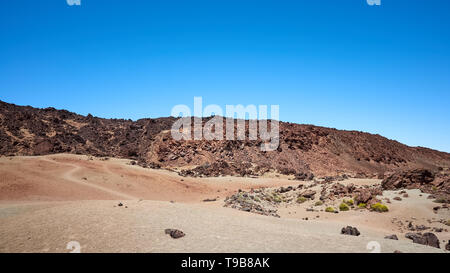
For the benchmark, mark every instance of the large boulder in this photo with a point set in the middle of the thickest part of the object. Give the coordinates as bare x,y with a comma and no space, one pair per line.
363,196
428,239
442,183
411,179
348,230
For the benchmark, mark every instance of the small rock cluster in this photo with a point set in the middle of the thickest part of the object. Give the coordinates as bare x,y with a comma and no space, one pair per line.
260,201
265,201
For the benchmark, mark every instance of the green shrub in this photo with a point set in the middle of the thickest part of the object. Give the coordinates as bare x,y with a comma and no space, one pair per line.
318,203
241,198
301,199
277,198
343,207
329,209
379,207
349,202
362,205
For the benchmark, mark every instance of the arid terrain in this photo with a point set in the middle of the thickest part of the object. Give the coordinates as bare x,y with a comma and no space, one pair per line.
49,201
118,186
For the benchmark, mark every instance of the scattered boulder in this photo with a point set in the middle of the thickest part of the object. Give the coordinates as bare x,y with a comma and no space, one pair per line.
391,237
435,229
421,227
428,239
348,230
308,194
283,189
174,233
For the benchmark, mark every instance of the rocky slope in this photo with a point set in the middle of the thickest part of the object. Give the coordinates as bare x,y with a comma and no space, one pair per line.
435,183
304,149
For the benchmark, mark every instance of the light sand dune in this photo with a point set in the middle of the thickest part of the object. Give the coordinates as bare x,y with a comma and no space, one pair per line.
49,201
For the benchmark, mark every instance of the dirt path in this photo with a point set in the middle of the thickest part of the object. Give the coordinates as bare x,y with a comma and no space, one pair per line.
69,176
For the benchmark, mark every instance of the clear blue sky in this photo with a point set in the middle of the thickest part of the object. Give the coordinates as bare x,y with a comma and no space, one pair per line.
342,64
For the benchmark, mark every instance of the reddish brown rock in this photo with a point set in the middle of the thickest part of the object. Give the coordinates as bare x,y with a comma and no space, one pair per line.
407,179
363,196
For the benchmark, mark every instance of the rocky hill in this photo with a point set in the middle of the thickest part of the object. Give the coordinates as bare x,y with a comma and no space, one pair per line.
304,149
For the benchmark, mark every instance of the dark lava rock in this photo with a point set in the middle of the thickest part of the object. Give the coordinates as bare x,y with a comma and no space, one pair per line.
421,227
303,176
283,189
174,233
428,239
391,237
350,231
447,246
120,204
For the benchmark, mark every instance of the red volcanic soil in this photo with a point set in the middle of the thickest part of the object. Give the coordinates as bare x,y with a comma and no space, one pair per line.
304,149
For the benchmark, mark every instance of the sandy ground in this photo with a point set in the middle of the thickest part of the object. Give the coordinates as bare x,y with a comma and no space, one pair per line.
48,201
